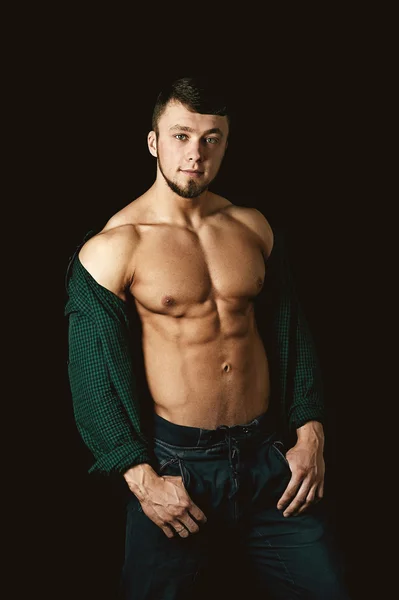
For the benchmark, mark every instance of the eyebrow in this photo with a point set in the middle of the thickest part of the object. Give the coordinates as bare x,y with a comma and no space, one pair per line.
191,130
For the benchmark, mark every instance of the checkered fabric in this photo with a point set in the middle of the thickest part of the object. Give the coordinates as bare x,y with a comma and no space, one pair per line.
101,368
295,374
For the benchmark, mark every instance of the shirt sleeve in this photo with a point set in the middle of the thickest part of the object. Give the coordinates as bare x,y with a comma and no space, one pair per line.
103,385
295,368
307,393
103,422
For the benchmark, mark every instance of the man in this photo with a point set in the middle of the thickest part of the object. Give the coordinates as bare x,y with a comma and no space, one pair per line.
225,394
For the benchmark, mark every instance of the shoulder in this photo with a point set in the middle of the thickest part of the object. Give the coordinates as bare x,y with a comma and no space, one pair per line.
112,242
256,221
109,256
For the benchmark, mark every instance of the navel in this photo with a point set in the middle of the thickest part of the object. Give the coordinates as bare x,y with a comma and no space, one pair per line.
226,367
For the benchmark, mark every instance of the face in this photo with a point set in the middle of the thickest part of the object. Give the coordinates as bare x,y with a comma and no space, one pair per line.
190,148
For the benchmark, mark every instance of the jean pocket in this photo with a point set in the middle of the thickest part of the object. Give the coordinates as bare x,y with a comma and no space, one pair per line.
279,450
166,463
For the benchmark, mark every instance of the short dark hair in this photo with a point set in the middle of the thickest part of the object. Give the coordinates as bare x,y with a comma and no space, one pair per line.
200,94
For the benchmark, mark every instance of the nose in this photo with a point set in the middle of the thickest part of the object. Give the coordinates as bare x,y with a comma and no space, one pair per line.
194,151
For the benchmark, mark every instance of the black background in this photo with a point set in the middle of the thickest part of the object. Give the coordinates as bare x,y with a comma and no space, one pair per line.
300,154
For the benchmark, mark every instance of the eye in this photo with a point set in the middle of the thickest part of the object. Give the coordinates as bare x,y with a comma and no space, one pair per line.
212,140
180,136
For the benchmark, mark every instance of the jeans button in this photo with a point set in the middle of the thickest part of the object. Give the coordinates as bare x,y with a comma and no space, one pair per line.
245,430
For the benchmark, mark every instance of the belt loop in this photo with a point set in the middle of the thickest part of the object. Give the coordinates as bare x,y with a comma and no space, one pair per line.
199,438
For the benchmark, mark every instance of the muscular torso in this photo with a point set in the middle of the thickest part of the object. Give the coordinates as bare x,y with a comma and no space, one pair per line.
194,290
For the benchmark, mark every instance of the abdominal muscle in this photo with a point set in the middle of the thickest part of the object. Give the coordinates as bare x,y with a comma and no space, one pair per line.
201,376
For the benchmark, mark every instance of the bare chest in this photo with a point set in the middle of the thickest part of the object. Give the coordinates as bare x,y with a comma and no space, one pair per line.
177,271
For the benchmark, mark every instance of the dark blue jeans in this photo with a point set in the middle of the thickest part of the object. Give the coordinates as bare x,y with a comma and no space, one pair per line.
246,549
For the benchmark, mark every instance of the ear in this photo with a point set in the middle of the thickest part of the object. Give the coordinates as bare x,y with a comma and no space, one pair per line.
152,143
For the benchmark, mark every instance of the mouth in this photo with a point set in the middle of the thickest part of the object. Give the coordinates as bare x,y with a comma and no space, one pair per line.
192,173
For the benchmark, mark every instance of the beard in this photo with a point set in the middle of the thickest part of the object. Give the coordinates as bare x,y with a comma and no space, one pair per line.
193,189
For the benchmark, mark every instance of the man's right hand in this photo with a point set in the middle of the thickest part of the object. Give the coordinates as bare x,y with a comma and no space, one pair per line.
165,501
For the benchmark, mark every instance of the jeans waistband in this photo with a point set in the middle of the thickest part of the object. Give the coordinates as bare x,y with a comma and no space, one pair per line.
181,435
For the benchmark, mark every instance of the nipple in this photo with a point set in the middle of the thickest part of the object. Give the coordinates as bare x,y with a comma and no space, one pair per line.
168,300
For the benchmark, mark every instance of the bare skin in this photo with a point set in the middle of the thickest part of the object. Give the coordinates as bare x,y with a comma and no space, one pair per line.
194,266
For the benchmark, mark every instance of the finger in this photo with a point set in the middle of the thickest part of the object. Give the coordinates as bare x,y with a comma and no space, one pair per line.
310,499
196,513
170,525
180,529
298,501
312,494
167,531
290,492
191,525
320,491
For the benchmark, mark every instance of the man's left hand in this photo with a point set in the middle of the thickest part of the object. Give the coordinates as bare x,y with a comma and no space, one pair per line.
306,461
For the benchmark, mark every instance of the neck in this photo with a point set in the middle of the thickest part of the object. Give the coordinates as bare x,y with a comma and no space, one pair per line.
172,208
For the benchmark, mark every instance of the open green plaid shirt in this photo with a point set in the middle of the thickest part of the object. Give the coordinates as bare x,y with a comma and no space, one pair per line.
103,381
